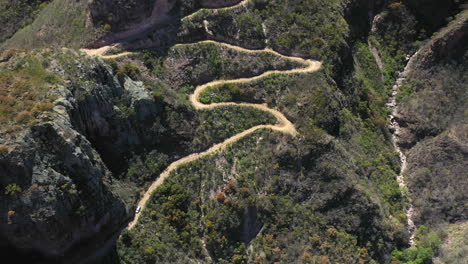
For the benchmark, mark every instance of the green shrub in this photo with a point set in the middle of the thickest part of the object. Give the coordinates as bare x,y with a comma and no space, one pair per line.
12,189
427,244
129,70
107,28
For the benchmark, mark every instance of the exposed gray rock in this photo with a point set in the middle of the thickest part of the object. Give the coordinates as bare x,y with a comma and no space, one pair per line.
58,162
65,195
141,99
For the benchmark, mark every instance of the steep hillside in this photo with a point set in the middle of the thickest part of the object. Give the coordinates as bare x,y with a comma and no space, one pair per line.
455,248
110,136
17,14
245,131
431,117
341,159
433,114
61,23
75,24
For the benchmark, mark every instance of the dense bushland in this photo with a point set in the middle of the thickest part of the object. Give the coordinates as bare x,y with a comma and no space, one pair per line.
432,109
438,160
455,248
426,246
253,186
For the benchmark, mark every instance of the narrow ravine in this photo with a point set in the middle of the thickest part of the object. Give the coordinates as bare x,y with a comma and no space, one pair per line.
396,130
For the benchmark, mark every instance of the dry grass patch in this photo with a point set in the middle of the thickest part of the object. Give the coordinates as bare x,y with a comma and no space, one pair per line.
23,92
4,150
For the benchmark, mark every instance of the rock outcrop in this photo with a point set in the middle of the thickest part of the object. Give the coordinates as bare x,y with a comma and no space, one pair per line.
62,189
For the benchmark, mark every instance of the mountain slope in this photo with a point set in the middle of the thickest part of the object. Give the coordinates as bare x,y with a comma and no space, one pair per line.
87,135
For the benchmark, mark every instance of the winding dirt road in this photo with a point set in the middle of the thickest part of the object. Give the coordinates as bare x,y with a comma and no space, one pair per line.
101,51
241,3
283,125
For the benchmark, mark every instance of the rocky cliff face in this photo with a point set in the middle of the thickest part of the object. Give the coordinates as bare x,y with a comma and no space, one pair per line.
62,188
